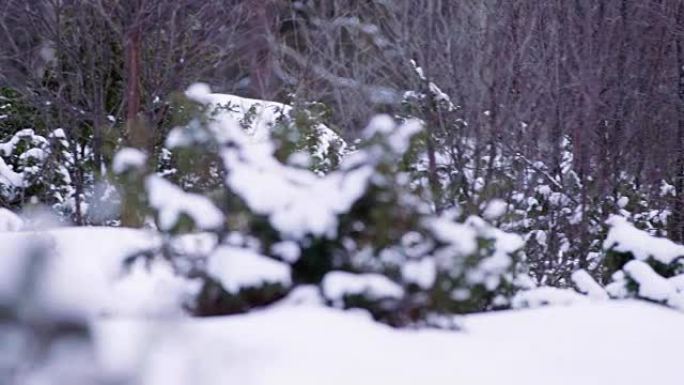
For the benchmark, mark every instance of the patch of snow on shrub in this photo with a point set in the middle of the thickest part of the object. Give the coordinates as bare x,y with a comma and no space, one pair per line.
337,284
677,281
495,209
9,177
128,158
651,284
461,236
625,238
238,268
586,284
171,202
421,272
547,296
297,201
255,116
287,250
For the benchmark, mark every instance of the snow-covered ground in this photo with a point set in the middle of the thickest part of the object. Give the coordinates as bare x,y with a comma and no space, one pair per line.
138,335
609,343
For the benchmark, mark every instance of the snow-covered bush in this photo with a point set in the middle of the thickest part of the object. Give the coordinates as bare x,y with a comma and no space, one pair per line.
642,265
560,214
356,226
35,168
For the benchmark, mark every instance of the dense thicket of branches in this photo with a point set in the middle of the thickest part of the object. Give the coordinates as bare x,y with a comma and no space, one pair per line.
605,73
530,81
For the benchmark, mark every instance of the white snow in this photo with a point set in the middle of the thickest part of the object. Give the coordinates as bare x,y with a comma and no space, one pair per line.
460,236
297,201
422,272
10,221
495,209
151,289
231,109
14,262
624,237
128,158
588,344
337,284
33,153
78,269
651,284
623,202
586,284
9,176
171,202
238,268
255,116
299,341
490,269
399,136
287,250
543,296
678,282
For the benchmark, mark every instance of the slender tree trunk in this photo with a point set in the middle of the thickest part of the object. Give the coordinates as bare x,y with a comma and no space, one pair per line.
135,131
677,229
136,134
261,60
620,110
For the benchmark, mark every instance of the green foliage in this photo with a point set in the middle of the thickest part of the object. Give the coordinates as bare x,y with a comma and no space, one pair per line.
16,114
388,226
31,174
213,299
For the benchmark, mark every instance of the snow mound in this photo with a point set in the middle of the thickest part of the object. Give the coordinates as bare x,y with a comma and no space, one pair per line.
151,289
10,221
231,109
255,116
80,273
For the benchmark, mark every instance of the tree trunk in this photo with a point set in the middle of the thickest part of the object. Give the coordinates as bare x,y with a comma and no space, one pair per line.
260,57
677,225
136,133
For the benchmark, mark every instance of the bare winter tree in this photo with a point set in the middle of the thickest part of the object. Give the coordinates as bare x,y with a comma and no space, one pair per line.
102,66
